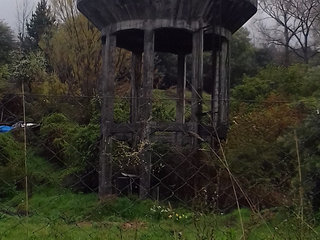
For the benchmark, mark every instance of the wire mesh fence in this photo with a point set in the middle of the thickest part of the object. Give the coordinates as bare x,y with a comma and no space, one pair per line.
261,182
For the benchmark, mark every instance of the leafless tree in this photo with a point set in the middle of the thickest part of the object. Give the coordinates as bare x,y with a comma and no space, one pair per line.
23,11
65,9
293,28
307,13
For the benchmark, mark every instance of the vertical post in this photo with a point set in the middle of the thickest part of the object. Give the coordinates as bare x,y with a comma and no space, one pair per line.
216,90
215,87
181,88
148,76
228,76
136,81
223,75
197,81
107,106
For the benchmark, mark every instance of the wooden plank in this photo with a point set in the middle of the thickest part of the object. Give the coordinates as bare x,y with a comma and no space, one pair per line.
107,107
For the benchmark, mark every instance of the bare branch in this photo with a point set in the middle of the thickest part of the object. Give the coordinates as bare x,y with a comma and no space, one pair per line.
294,26
23,12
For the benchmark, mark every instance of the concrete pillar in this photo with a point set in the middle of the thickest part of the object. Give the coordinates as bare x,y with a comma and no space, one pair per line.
146,105
181,90
107,107
197,82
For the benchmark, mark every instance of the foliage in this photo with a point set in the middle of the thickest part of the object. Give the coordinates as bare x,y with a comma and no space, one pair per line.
161,112
74,50
268,103
166,65
57,211
308,145
254,151
288,82
160,212
29,69
11,164
245,59
83,148
4,75
121,111
6,43
73,148
242,53
39,25
56,132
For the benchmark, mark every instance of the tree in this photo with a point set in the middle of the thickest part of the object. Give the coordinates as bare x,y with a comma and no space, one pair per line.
254,153
29,69
6,43
242,53
24,10
246,58
293,28
289,82
40,23
307,14
74,54
74,51
282,32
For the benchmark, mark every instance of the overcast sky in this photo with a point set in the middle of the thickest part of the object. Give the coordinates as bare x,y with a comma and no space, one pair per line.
8,11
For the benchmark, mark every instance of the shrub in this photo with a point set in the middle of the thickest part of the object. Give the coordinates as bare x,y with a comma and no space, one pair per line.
56,132
11,165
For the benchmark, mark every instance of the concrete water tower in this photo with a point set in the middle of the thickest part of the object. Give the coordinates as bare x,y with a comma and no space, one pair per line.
179,27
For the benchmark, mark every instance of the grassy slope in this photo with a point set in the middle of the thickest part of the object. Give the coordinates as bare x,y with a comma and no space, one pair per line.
57,213
61,214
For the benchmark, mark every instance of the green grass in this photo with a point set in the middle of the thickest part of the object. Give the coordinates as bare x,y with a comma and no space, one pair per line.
60,214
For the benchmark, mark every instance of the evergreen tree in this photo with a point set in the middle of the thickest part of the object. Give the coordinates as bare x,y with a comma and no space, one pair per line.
6,43
40,24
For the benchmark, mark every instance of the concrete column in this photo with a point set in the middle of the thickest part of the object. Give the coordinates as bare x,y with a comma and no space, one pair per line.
107,107
136,82
148,76
197,82
181,90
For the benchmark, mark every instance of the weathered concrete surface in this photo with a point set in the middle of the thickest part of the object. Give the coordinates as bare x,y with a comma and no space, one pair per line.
232,14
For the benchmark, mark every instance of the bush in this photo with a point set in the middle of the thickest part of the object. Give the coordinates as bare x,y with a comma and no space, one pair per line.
56,132
11,165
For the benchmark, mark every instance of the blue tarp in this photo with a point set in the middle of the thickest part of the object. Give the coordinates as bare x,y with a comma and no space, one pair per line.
4,129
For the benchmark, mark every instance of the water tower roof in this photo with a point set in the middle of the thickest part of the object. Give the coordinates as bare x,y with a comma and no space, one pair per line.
231,14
